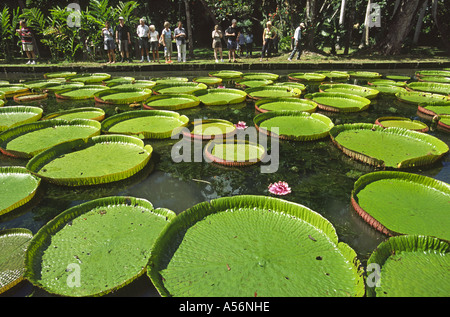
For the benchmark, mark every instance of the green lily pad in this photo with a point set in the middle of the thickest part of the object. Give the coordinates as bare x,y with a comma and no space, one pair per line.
53,87
119,81
122,96
403,203
29,96
220,96
97,160
251,83
169,80
39,84
260,76
2,102
59,74
288,104
226,74
208,80
13,245
292,85
138,84
171,102
307,77
401,122
364,74
389,82
106,241
81,93
91,113
398,77
444,122
365,92
178,88
210,128
437,88
443,73
410,266
262,246
94,78
234,152
388,90
334,75
435,79
17,186
390,147
294,125
17,115
272,91
148,124
13,89
339,102
434,108
27,140
416,97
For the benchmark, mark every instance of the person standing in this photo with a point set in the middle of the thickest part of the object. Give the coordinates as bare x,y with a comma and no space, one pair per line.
297,42
154,42
241,44
249,44
123,39
143,34
108,40
231,34
167,38
180,37
27,42
268,37
217,43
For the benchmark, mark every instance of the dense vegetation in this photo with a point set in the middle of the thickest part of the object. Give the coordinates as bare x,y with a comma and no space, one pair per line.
332,24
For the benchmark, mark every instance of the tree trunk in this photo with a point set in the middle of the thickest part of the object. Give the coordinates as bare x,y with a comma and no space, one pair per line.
341,23
365,35
311,16
350,22
209,12
401,23
189,29
420,22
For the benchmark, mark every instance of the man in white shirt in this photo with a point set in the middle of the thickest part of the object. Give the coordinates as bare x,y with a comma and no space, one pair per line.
297,44
143,34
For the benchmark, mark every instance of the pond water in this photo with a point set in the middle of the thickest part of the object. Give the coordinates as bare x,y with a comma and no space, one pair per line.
321,176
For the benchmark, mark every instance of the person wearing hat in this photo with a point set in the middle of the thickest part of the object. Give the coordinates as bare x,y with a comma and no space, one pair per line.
123,38
297,44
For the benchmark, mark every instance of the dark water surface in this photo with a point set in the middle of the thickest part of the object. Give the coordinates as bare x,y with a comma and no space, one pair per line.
321,176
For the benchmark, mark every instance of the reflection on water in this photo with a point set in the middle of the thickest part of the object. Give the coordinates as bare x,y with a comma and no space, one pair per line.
321,176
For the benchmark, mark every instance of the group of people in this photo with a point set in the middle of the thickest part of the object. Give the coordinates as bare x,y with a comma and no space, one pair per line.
149,40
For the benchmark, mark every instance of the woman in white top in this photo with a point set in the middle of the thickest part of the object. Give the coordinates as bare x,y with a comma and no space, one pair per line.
217,43
167,37
154,42
108,33
142,32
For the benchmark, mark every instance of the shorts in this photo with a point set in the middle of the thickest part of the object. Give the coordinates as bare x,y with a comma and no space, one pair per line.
168,50
231,45
109,45
143,43
27,47
216,44
123,46
154,45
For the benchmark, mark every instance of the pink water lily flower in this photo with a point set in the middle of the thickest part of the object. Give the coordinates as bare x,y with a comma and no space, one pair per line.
221,87
241,125
280,188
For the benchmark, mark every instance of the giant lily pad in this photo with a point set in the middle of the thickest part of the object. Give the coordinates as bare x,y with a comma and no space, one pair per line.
261,246
401,122
272,91
409,266
11,90
444,123
387,89
59,75
40,84
398,77
91,113
141,84
389,82
17,115
13,245
220,96
53,87
178,88
122,96
365,92
29,96
437,88
435,79
119,81
171,102
169,80
390,147
403,203
251,83
96,78
148,124
434,108
81,93
97,160
334,75
292,85
17,187
307,77
261,76
364,74
416,97
27,140
339,102
210,128
107,241
226,74
294,125
2,102
422,73
233,152
208,80
289,104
